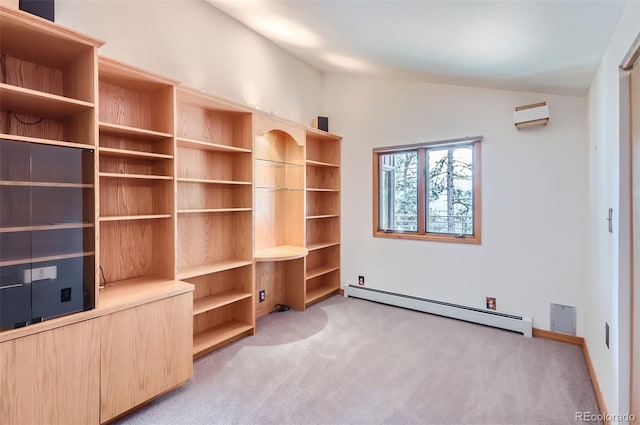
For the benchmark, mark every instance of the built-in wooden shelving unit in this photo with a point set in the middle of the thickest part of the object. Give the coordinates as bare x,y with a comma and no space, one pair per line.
279,217
136,173
322,215
150,191
215,212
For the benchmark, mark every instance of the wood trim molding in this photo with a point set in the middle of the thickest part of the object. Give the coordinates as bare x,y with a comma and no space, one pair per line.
594,382
578,340
557,336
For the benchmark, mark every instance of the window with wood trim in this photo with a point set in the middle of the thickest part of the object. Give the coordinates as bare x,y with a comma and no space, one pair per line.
428,191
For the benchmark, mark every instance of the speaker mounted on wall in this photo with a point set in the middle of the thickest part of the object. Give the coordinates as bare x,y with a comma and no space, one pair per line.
321,123
42,8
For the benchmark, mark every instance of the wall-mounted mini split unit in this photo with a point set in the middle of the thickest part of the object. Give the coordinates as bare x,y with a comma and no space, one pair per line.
528,115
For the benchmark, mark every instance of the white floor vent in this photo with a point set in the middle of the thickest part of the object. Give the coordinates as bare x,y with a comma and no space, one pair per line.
496,319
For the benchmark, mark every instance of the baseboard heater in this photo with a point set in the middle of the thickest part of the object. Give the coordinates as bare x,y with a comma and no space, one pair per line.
512,322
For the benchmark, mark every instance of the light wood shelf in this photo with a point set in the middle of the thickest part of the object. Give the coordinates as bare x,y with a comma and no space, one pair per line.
320,292
208,146
221,299
218,335
321,164
60,226
281,253
131,132
43,141
216,267
21,100
208,181
135,176
313,217
321,245
125,153
48,258
127,293
278,163
280,189
212,210
46,184
319,189
134,217
319,271
322,135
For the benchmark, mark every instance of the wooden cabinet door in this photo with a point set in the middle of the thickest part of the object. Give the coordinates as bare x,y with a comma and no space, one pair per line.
51,377
145,351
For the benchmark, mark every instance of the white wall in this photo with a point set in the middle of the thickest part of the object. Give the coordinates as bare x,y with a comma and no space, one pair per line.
534,195
192,42
608,285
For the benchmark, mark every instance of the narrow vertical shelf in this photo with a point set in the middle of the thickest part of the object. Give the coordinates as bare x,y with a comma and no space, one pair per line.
136,174
279,213
214,201
323,215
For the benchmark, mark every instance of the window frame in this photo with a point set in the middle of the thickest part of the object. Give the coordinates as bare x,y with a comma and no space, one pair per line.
422,234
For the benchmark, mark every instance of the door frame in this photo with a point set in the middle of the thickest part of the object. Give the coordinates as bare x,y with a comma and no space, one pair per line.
629,237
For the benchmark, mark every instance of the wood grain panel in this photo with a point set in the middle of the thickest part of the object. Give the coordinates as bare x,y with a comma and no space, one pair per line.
207,238
136,248
161,146
327,282
294,216
239,312
206,125
323,203
327,257
201,164
123,197
202,195
79,77
35,126
239,279
81,128
133,165
145,351
270,276
283,282
34,76
323,178
162,118
263,124
295,283
325,151
51,377
323,230
279,200
123,106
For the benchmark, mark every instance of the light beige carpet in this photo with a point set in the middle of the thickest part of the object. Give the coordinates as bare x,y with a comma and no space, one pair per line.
349,361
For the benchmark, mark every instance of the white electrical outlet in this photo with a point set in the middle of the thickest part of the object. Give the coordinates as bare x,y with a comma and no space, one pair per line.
40,273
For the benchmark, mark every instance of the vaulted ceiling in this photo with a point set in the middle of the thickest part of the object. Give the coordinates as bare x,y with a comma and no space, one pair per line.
548,46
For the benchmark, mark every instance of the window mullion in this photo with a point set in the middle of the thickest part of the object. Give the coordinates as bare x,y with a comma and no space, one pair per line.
422,190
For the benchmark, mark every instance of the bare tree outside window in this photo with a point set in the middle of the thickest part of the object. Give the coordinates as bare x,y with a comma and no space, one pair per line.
450,190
